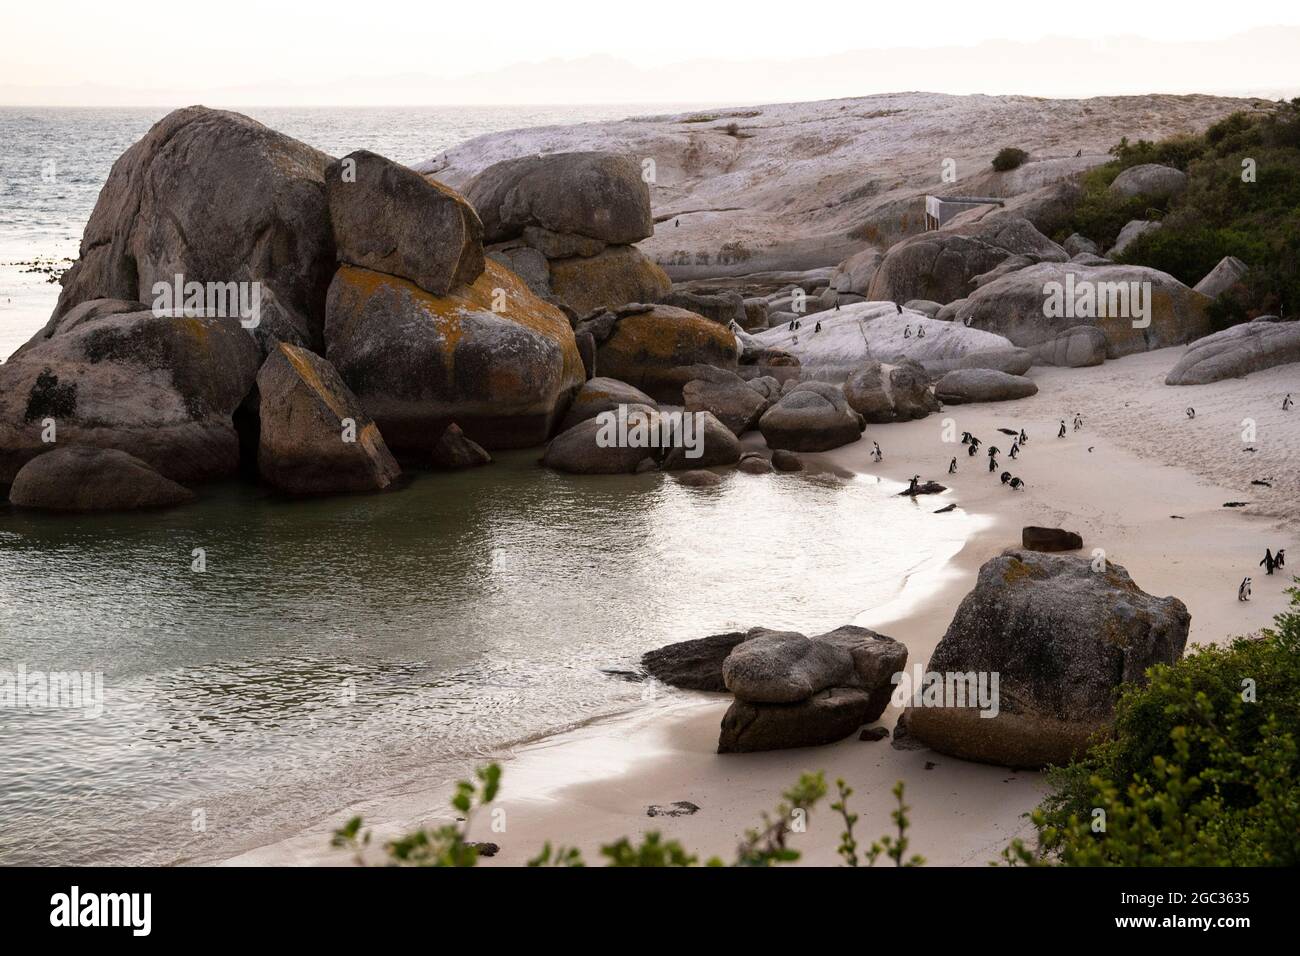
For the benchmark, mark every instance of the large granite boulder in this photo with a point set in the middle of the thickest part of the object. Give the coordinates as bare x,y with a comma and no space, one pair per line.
489,356
602,394
85,478
1133,230
78,315
795,691
388,218
615,277
1222,277
1078,347
1033,306
825,717
967,385
941,265
736,403
724,307
164,389
214,197
1237,351
890,393
598,195
588,448
708,444
1150,180
1061,639
811,416
315,438
656,349
1077,244
1012,361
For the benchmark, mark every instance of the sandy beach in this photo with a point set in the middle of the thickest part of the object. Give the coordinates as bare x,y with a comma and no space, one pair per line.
1142,481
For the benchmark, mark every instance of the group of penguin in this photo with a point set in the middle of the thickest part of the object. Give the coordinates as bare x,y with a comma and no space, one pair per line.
1018,439
1270,563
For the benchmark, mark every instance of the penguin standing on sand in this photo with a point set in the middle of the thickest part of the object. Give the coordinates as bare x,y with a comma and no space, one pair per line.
1078,421
876,454
1279,559
1287,403
965,438
1191,412
818,326
971,452
1017,484
911,486
952,467
1061,433
993,464
920,331
1005,476
1015,449
907,331
1243,590
1024,439
1269,562
975,442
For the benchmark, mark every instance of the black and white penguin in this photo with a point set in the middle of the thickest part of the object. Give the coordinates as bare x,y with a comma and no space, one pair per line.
952,467
1061,433
1243,590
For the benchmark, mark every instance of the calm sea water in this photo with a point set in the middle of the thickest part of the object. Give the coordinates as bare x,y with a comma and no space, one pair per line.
343,647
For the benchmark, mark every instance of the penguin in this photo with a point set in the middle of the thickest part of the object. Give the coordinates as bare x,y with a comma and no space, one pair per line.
1279,559
993,464
676,223
1269,562
972,451
911,485
1191,412
1078,154
994,450
1015,449
920,331
790,327
1005,476
1078,421
1243,590
818,327
1017,484
1061,433
837,305
907,331
1024,439
975,441
876,453
899,308
1287,403
965,438
952,467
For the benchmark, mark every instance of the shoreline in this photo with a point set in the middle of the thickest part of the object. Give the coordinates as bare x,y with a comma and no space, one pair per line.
593,784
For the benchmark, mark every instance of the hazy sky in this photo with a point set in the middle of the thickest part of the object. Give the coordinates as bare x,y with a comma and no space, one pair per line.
155,50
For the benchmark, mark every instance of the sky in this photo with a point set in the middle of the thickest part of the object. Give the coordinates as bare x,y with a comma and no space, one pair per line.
149,52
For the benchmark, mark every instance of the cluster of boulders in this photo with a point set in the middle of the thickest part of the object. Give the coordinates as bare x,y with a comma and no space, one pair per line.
1060,635
790,690
1250,347
565,223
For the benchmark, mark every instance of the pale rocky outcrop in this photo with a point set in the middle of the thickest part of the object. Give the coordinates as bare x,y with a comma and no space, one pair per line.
890,393
85,478
1237,351
315,438
388,218
419,362
1132,231
736,403
215,197
854,274
1078,243
1062,638
1078,347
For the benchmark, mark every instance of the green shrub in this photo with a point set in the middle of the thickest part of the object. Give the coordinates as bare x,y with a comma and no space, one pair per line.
1201,768
1009,157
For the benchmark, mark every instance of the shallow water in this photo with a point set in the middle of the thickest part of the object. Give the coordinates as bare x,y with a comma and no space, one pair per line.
339,647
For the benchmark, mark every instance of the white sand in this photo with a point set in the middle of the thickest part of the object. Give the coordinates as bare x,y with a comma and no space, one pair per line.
1147,462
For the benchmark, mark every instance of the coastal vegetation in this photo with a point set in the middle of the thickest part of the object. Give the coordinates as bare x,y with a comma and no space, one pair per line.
1008,158
1241,199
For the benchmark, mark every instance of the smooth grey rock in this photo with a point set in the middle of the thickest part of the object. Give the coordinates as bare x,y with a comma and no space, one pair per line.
699,479
579,450
853,275
1012,361
1077,244
1077,347
694,664
1034,538
1222,277
716,444
882,394
602,394
724,307
85,478
454,451
811,416
824,718
964,386
1132,231
736,404
1151,180
1237,351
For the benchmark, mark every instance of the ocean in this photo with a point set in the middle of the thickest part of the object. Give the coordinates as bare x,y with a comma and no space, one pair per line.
343,647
